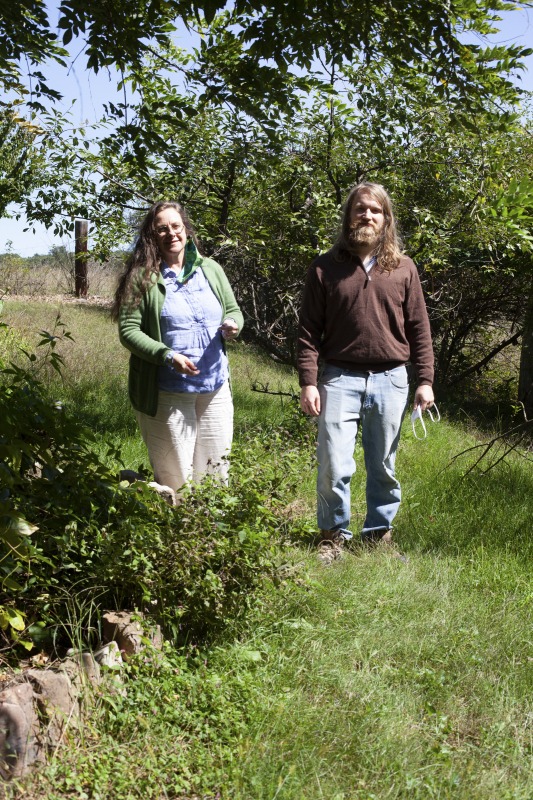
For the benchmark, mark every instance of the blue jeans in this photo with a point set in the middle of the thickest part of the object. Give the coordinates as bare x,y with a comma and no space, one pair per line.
377,401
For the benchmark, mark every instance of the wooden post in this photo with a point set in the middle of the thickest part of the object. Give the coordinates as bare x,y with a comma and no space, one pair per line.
80,269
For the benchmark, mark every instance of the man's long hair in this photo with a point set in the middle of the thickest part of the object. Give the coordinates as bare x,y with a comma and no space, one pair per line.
389,249
145,261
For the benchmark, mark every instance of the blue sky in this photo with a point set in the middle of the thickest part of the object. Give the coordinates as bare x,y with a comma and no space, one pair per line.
90,91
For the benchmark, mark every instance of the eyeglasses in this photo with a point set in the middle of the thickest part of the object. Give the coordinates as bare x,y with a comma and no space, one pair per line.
164,230
417,415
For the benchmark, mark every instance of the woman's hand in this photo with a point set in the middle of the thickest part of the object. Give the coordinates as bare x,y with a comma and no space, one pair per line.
229,329
184,365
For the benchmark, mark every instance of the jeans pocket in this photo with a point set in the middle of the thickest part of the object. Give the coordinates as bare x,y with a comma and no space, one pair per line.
330,375
398,378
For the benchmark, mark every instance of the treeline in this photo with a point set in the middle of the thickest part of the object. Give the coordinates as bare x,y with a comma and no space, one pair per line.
57,256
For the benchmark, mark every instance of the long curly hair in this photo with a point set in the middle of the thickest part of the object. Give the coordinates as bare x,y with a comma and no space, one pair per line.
389,249
145,261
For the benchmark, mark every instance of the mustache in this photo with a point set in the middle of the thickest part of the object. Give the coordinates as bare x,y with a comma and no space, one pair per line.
355,229
364,224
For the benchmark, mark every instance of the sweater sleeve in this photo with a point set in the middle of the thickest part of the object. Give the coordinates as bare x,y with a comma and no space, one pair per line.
417,330
138,329
221,286
311,328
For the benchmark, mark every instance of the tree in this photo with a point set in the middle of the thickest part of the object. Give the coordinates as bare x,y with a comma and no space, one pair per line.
262,128
260,60
20,163
263,41
525,386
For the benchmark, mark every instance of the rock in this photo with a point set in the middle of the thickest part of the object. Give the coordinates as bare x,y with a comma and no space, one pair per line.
20,742
57,702
119,627
128,633
91,668
109,655
34,714
40,705
81,667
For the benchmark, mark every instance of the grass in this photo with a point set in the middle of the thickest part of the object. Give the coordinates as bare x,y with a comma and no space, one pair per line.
393,680
388,680
367,680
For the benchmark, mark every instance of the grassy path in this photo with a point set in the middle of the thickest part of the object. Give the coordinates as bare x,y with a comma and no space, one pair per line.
389,680
386,680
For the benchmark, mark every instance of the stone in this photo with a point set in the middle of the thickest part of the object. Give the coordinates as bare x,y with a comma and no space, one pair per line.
91,668
57,702
34,714
81,667
109,655
128,633
39,706
20,741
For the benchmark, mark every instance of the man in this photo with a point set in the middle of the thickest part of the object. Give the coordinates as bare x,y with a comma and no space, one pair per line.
363,314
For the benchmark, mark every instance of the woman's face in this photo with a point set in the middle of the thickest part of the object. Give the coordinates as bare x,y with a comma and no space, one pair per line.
171,236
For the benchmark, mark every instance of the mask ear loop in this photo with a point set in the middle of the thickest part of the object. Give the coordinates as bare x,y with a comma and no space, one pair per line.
434,408
417,415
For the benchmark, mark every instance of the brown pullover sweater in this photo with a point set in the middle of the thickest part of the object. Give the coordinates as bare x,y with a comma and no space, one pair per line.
363,322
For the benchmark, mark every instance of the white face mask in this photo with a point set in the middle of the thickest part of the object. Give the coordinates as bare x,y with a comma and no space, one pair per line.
417,415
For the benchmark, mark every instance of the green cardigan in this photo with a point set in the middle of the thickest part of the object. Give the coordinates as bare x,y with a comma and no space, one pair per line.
140,333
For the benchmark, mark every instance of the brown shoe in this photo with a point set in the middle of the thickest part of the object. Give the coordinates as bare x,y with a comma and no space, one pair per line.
330,547
382,540
379,536
330,536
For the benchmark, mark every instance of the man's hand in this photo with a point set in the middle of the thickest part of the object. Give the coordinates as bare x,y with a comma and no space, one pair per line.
310,401
424,397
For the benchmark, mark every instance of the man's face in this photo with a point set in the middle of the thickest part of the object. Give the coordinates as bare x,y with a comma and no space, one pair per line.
366,224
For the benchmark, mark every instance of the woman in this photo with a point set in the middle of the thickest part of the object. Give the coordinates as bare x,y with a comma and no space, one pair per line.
175,309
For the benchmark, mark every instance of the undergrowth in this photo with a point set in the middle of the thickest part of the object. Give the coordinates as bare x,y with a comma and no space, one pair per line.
69,528
170,732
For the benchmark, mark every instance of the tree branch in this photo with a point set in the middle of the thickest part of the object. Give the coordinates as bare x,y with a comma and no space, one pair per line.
511,440
484,361
263,388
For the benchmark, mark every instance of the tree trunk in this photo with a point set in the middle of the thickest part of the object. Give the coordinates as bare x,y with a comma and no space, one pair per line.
226,199
525,383
81,283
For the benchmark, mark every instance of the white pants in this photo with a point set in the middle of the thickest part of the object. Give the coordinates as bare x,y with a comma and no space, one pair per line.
190,436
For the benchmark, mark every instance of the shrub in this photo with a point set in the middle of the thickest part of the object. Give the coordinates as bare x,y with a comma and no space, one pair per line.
69,529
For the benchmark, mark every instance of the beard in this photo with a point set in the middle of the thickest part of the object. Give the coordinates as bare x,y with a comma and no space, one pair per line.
364,234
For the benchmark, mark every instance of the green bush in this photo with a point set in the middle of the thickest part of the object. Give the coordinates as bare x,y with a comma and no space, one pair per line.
72,536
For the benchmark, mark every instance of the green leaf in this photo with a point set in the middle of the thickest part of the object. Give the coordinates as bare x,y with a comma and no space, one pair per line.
249,655
9,583
10,617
